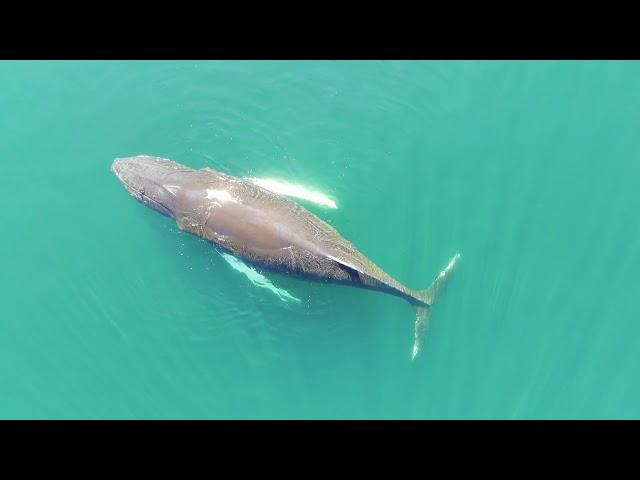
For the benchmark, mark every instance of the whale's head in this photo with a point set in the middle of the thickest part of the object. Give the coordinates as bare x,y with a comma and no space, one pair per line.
154,181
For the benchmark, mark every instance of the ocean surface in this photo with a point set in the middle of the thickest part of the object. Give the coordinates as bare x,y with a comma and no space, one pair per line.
530,169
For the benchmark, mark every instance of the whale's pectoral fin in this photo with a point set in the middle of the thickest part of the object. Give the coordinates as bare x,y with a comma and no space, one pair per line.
429,296
257,279
293,190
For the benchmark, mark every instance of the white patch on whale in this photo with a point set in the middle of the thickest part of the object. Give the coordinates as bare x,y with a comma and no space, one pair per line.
221,195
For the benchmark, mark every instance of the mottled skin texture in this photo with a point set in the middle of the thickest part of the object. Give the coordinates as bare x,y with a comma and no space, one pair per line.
264,228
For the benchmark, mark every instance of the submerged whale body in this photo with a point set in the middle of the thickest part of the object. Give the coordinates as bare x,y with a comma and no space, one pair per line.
264,228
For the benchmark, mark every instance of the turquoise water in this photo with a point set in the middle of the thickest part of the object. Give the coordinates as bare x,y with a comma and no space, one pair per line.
530,169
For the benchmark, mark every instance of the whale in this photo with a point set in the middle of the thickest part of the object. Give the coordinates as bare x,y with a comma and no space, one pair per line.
266,229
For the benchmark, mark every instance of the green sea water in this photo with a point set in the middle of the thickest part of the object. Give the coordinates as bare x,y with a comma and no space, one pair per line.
529,169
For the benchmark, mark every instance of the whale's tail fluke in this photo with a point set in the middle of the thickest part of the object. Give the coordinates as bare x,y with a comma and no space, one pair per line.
429,296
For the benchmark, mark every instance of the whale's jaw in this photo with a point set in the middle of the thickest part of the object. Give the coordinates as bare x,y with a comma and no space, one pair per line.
151,180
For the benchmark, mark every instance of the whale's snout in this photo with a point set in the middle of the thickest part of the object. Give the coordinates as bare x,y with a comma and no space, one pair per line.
122,168
131,171
116,166
141,166
152,180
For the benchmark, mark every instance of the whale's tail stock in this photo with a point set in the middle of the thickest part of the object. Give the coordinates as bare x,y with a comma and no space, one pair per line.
429,296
